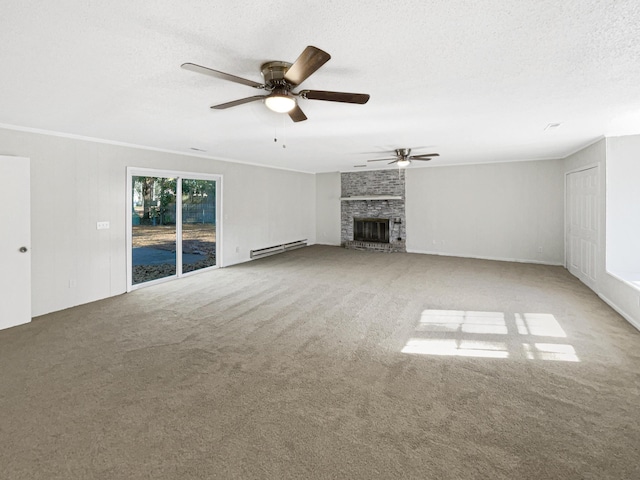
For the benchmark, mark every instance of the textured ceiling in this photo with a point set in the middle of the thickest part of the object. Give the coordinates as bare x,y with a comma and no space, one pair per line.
475,80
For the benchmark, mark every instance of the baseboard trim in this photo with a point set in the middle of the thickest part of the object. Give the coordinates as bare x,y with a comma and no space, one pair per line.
622,313
275,249
497,259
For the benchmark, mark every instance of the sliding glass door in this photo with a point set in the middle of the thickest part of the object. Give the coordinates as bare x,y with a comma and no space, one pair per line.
153,228
198,224
172,225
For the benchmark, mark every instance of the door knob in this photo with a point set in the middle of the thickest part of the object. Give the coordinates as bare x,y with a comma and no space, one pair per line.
23,249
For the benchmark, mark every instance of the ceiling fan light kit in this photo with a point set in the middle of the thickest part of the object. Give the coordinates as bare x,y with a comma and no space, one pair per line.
280,102
280,79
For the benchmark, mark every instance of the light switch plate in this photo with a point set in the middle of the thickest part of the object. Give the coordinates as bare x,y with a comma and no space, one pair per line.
102,225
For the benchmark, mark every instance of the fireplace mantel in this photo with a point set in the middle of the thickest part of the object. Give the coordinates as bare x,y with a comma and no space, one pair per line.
372,197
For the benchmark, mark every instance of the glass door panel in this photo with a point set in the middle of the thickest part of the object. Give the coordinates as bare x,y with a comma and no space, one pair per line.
153,239
198,224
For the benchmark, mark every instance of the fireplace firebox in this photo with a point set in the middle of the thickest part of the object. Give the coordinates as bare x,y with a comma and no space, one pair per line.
371,230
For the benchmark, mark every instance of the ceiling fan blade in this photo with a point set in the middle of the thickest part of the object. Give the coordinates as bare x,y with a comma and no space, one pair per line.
235,103
425,156
382,160
359,98
297,115
395,161
310,60
224,76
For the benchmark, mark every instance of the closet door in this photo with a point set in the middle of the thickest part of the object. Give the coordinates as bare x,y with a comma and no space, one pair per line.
15,242
582,225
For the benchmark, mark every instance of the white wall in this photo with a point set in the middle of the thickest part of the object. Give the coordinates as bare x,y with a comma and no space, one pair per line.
622,297
328,191
503,211
623,204
75,183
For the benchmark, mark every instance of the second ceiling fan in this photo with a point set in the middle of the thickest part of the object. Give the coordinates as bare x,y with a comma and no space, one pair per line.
403,157
280,79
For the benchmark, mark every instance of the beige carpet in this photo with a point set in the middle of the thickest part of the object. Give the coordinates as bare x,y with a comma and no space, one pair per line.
327,363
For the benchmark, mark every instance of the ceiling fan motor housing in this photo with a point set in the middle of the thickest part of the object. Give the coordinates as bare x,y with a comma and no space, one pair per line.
273,74
403,152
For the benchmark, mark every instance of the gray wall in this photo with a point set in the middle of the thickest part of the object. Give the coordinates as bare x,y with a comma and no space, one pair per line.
328,208
75,183
502,211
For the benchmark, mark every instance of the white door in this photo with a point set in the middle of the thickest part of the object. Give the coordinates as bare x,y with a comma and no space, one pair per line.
582,224
15,243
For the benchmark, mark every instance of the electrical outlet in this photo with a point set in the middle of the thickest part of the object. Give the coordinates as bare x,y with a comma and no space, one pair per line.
539,249
73,283
102,225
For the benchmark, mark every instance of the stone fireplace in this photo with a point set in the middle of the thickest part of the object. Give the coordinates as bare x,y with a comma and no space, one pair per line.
372,210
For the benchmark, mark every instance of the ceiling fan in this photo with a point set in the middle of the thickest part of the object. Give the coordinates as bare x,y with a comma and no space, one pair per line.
403,157
280,79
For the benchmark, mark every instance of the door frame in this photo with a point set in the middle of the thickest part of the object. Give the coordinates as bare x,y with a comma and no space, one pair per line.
599,251
178,175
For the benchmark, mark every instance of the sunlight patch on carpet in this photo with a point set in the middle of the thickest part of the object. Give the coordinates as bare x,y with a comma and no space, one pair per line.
456,348
551,351
539,324
462,333
468,322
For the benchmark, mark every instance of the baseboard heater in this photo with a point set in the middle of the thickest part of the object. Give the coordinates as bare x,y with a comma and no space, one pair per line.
265,252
